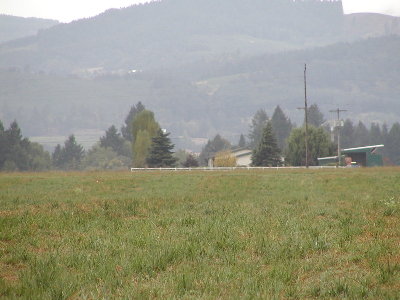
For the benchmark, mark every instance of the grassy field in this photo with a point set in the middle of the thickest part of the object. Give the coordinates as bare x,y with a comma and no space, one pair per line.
276,234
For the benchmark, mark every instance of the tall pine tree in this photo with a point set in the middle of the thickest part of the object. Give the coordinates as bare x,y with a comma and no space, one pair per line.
160,154
281,127
392,147
347,134
258,123
112,140
361,135
242,141
68,157
315,116
267,152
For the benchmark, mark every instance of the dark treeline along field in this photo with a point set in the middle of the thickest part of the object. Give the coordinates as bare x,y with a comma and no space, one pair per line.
141,143
204,67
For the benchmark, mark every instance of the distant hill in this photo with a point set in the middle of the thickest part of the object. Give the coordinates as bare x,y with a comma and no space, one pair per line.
12,28
175,32
199,100
172,33
364,25
202,66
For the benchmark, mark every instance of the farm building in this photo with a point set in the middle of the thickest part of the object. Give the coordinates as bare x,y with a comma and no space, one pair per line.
243,157
367,156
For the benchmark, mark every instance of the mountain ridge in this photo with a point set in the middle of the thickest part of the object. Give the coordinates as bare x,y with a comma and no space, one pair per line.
199,80
13,27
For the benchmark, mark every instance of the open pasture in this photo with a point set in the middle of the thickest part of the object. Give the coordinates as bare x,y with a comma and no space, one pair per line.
272,234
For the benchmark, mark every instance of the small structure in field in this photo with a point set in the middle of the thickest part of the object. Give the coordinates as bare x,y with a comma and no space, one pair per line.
367,156
243,157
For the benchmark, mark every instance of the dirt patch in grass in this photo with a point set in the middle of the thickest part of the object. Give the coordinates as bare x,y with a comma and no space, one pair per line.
8,213
10,273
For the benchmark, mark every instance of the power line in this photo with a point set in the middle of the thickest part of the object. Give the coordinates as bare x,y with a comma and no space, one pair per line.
305,112
338,125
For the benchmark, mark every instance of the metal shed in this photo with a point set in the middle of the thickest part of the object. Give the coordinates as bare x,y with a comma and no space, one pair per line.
367,156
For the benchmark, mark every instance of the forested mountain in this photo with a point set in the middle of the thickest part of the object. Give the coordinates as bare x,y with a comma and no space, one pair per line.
202,99
12,28
169,33
202,66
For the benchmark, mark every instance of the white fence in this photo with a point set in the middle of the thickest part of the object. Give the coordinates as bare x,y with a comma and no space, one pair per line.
227,168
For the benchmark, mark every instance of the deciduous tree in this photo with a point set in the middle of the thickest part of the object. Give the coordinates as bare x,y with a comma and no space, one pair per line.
144,128
126,129
319,145
225,158
213,146
141,148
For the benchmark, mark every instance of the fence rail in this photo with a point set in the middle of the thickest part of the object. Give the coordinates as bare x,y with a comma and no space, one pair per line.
227,168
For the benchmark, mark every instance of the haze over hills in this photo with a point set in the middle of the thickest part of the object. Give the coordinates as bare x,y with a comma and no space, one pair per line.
176,32
12,28
202,66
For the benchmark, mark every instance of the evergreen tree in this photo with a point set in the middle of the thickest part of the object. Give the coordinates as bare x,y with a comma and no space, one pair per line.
3,145
56,157
17,149
375,134
361,135
267,152
126,129
191,161
18,153
68,157
160,154
258,123
319,145
347,134
315,116
385,132
242,141
281,127
392,147
113,140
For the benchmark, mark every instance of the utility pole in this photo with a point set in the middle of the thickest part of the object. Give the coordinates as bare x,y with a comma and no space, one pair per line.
305,113
338,125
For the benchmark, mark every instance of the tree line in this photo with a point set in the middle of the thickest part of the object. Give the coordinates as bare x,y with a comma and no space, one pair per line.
277,141
142,142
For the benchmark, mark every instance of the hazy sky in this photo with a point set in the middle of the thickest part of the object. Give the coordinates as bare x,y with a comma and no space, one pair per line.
68,10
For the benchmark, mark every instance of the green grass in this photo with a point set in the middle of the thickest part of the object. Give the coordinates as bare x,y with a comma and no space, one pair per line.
276,234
